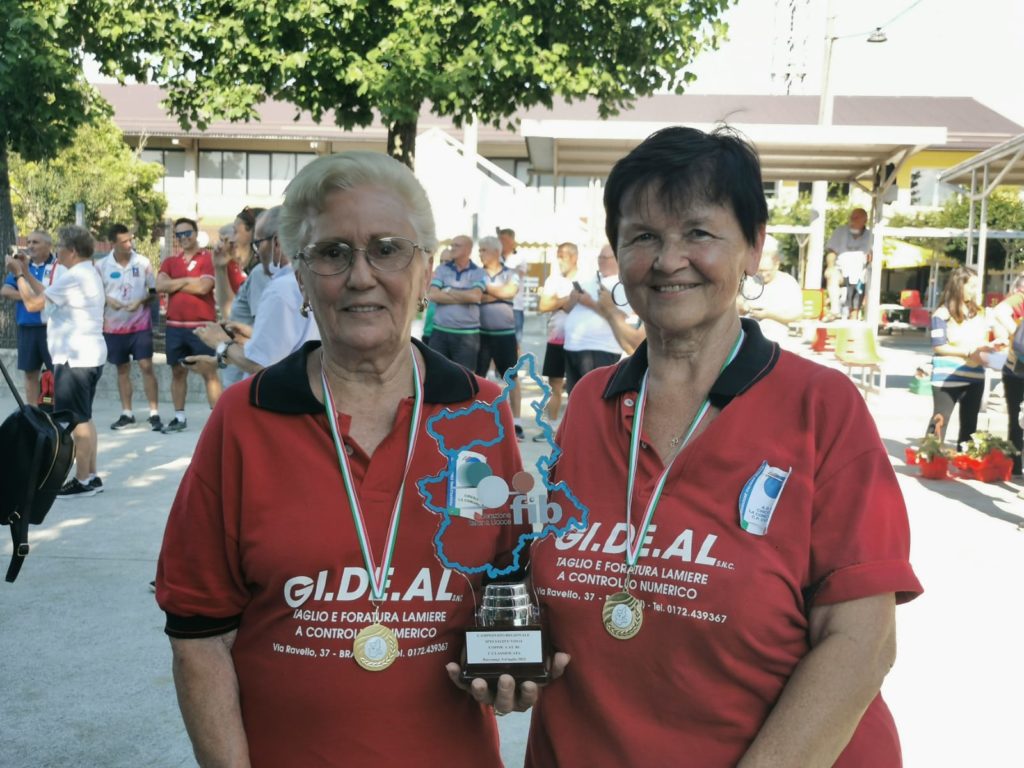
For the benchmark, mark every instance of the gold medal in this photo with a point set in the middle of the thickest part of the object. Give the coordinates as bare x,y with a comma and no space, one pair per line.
623,615
375,648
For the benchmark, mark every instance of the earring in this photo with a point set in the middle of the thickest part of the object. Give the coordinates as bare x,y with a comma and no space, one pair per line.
756,280
422,304
615,298
305,308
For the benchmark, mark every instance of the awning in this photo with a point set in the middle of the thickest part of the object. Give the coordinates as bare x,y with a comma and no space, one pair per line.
899,254
788,152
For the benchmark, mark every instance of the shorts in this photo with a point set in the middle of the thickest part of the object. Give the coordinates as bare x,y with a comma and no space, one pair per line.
74,389
461,348
520,316
502,349
33,353
579,363
554,361
182,342
122,347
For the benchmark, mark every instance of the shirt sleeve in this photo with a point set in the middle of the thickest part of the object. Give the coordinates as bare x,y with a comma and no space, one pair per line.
437,281
235,275
58,292
860,535
199,583
278,328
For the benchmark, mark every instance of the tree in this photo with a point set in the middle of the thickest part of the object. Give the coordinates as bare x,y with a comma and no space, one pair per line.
462,58
97,169
43,95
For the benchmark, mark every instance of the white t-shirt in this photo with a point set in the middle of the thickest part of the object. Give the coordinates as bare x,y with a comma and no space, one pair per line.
781,296
517,263
558,287
585,329
74,316
280,328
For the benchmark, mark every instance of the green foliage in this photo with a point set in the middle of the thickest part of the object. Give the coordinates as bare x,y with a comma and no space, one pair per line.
929,447
351,60
98,169
982,444
797,213
43,95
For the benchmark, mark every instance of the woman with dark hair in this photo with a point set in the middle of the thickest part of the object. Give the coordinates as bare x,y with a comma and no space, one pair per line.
732,601
960,335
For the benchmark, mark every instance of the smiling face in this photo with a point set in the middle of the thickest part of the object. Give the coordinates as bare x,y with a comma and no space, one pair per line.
363,312
681,269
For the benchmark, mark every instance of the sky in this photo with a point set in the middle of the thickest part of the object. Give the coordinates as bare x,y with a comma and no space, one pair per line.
935,48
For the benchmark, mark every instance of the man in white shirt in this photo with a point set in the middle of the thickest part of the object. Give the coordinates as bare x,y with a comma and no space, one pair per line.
852,246
780,303
515,261
589,340
72,306
281,326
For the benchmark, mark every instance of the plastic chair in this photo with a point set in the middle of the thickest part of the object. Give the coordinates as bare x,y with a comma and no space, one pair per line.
910,299
857,347
920,318
814,303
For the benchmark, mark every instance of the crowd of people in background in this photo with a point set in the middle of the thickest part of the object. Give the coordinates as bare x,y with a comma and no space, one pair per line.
235,308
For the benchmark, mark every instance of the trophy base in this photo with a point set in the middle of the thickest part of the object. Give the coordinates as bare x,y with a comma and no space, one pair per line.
495,651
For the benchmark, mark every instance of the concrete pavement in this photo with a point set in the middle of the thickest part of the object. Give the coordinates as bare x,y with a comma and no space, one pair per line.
85,667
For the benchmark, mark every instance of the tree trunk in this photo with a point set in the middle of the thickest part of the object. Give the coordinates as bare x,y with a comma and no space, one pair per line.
7,233
402,142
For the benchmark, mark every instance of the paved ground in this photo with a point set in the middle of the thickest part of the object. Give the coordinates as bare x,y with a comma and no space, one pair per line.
85,667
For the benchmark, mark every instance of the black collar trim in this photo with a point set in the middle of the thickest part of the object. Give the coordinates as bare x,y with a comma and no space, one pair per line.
284,386
756,358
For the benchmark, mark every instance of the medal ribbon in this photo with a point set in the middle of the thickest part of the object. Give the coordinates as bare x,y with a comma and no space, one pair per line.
378,576
634,544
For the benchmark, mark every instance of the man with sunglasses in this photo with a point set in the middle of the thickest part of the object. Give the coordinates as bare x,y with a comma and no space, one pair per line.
188,279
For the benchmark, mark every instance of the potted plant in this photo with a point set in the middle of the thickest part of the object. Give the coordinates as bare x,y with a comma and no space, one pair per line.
987,456
933,458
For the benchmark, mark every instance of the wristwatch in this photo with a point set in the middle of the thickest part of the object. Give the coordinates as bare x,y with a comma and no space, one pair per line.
222,352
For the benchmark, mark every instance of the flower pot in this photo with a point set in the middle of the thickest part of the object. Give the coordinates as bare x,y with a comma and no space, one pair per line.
965,467
996,467
910,455
934,469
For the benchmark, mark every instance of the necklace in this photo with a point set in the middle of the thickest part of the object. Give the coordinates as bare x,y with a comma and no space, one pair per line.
376,646
623,613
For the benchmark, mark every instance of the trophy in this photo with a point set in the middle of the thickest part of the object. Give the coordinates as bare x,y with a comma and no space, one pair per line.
468,493
508,638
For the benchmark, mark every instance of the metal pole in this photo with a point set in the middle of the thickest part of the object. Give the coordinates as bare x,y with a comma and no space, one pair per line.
983,236
819,189
970,218
873,290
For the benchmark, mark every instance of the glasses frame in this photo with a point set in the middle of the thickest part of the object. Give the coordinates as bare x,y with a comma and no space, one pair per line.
304,255
258,241
184,235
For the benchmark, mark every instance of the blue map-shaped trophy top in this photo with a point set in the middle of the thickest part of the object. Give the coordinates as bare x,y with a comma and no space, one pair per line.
467,487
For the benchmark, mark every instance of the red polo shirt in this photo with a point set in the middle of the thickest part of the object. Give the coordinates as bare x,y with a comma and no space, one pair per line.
187,310
726,615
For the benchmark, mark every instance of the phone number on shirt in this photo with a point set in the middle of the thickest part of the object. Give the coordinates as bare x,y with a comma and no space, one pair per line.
690,613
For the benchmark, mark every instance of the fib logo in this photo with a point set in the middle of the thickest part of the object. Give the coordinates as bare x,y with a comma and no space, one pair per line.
478,494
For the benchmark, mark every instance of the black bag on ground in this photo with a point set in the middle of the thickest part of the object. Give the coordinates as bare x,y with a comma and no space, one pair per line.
36,453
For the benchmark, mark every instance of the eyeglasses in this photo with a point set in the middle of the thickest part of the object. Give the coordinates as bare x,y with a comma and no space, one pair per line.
183,234
385,254
257,242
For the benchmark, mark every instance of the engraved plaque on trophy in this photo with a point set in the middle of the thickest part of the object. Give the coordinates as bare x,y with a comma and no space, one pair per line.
508,639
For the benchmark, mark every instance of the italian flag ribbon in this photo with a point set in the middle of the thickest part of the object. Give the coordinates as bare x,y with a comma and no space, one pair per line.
378,575
635,543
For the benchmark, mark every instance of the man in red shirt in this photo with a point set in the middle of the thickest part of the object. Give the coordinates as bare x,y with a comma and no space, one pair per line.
188,279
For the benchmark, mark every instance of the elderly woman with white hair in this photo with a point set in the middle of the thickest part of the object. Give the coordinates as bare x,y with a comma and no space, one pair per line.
308,608
777,301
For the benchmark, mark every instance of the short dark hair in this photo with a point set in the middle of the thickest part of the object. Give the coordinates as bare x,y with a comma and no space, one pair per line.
506,231
685,164
184,220
115,230
76,239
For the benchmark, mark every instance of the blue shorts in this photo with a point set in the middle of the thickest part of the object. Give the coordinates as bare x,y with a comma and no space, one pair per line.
74,389
122,347
32,351
182,342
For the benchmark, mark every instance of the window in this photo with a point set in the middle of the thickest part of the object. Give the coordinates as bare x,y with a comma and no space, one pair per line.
771,189
258,175
173,161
